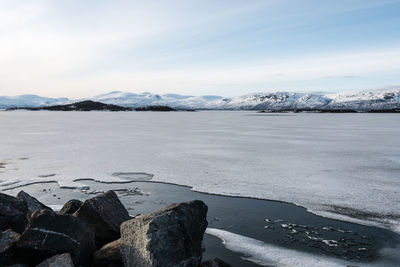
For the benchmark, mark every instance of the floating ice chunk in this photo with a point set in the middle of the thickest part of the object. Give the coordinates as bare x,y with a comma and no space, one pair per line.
313,238
331,243
286,225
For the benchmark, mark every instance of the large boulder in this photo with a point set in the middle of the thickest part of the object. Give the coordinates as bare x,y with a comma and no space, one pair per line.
13,213
171,236
109,255
32,203
48,234
104,214
70,207
61,260
7,250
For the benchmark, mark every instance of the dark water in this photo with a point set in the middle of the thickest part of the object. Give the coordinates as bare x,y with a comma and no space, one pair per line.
277,223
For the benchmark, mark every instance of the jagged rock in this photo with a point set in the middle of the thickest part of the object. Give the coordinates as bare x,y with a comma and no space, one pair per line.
61,260
48,234
109,255
215,263
70,207
7,251
104,214
13,213
32,203
171,236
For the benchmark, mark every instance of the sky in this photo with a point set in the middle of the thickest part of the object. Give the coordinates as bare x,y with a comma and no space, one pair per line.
75,48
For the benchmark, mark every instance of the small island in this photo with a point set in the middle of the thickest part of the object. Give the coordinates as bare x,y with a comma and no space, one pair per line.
89,105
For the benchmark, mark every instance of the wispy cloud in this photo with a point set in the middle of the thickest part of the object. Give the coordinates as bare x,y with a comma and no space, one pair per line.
79,48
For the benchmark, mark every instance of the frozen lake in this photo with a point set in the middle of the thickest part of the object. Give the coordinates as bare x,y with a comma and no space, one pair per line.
344,166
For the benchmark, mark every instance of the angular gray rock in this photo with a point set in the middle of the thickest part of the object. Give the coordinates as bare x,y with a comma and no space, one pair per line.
109,255
215,263
104,214
171,236
7,251
13,213
70,207
32,203
61,260
48,234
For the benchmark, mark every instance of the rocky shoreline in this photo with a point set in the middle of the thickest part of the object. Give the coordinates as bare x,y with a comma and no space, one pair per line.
100,232
283,225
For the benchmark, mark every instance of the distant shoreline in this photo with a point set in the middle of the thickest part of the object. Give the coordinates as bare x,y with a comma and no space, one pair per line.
89,105
385,100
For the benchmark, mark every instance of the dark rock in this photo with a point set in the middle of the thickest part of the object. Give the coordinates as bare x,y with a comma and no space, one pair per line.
13,213
171,236
48,234
32,203
61,260
104,214
7,239
7,251
155,108
214,263
109,255
70,207
19,265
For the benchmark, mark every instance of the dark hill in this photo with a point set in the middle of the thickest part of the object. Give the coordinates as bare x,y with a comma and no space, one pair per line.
87,105
155,108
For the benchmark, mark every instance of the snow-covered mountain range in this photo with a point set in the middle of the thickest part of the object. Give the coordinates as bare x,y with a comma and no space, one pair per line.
28,101
382,99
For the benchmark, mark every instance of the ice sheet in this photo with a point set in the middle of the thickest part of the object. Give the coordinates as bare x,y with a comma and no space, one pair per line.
340,165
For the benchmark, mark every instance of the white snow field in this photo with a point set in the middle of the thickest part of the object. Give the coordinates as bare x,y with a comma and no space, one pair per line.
314,160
